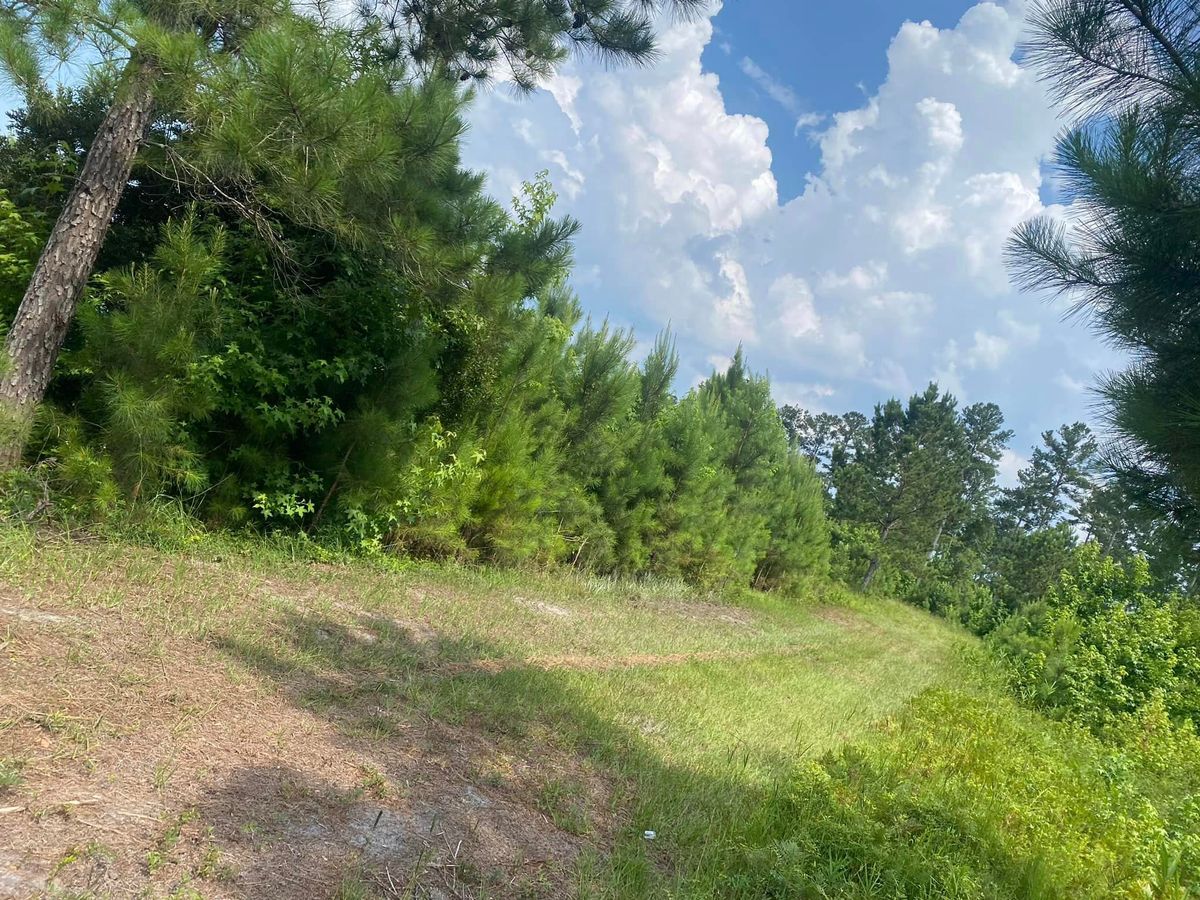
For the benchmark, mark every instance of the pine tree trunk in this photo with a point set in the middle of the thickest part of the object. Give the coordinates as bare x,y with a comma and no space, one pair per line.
937,540
877,559
66,263
872,569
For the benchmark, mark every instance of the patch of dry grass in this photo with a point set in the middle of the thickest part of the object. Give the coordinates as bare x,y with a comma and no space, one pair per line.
326,728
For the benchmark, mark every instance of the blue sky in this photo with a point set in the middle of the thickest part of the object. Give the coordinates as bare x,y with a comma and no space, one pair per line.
828,185
828,57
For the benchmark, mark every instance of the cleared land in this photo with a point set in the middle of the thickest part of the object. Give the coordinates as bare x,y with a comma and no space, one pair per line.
217,724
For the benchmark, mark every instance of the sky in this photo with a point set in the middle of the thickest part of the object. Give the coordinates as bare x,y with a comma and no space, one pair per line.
829,186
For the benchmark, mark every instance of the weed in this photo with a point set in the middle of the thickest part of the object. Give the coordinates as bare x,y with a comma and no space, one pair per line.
74,854
163,772
11,772
80,733
375,782
355,887
160,855
211,865
563,801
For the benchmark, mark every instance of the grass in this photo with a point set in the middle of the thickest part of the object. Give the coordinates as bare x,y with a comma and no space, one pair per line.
777,747
168,840
965,795
10,772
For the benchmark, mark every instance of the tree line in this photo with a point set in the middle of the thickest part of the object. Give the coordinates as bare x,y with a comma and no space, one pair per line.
248,276
401,368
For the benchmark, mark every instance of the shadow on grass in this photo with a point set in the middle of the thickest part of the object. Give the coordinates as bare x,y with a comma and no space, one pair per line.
522,785
511,776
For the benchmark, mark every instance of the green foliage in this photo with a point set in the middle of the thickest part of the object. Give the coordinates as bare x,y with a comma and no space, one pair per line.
143,331
425,501
423,382
10,772
967,796
525,40
921,476
1099,646
21,237
1126,74
741,507
1052,488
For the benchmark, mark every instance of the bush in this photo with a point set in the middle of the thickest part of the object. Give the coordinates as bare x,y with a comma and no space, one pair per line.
1099,645
968,796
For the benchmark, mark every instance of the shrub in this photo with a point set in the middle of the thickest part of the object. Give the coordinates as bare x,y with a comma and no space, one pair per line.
1099,645
968,796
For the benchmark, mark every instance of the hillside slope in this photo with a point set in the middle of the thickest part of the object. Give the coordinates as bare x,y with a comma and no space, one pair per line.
221,724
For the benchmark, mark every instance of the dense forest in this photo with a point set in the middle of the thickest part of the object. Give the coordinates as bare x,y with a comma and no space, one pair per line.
301,313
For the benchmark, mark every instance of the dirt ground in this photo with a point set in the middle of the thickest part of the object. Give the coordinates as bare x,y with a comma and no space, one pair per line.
152,767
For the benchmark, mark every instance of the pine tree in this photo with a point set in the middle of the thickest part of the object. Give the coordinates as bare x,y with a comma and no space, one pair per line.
1036,521
906,477
824,438
1122,529
695,540
184,66
1056,482
1128,76
523,40
635,492
154,38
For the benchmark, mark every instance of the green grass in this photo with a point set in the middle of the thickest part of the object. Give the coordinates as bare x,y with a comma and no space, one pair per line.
167,841
10,772
967,795
822,746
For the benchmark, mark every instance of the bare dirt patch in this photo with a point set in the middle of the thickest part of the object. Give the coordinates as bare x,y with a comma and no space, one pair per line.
712,612
151,763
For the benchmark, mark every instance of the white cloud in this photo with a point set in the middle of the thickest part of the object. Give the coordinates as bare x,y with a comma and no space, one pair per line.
988,351
1070,384
772,87
564,89
716,363
885,272
864,277
816,397
807,121
1010,464
943,125
734,313
574,179
793,302
1021,332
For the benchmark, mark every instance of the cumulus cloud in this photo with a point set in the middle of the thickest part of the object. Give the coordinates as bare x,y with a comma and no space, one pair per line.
1009,465
988,351
1069,383
793,302
734,313
884,273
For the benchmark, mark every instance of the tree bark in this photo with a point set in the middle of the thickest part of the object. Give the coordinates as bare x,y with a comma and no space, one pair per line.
66,263
937,540
876,560
872,569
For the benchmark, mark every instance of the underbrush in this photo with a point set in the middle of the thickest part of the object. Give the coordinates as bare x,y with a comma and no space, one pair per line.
966,795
